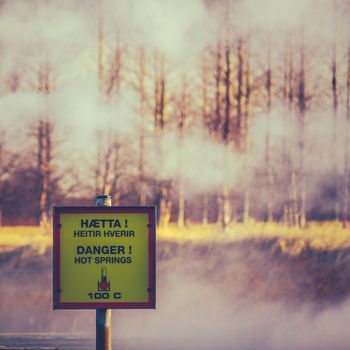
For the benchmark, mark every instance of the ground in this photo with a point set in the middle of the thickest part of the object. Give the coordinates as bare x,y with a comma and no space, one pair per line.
200,270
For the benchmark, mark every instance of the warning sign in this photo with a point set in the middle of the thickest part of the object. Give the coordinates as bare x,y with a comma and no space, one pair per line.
104,257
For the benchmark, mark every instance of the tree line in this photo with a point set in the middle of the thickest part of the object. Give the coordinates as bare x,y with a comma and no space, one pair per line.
225,92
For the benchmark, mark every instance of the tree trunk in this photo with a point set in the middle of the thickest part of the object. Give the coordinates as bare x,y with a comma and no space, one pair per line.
239,95
293,210
217,119
181,128
205,209
207,124
269,167
165,204
246,143
226,208
302,108
218,97
181,214
293,194
44,135
142,94
335,134
347,146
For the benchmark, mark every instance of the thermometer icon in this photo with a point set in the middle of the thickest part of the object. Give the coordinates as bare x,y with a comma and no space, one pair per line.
103,284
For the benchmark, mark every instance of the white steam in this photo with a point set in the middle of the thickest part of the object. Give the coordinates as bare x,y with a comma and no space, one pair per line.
64,36
194,315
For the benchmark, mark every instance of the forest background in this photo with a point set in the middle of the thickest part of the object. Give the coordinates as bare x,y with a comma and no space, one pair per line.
215,111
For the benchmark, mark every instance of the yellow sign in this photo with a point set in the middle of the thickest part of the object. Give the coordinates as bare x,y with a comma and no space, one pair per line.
104,257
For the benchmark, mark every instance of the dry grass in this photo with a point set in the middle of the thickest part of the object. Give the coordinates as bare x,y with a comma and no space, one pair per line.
319,235
17,236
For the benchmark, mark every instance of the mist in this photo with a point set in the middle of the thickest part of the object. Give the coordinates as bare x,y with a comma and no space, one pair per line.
196,316
242,102
245,295
65,37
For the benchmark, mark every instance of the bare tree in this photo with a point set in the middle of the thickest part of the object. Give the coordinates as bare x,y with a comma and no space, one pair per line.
109,169
239,94
289,97
206,122
182,121
142,110
7,163
246,138
44,142
301,97
218,115
114,78
165,203
109,148
335,129
218,92
227,123
347,145
269,166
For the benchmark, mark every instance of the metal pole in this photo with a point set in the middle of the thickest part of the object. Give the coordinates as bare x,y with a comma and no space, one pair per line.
103,329
103,316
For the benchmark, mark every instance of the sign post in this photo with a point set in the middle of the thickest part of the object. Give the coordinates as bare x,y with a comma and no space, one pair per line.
103,259
103,316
